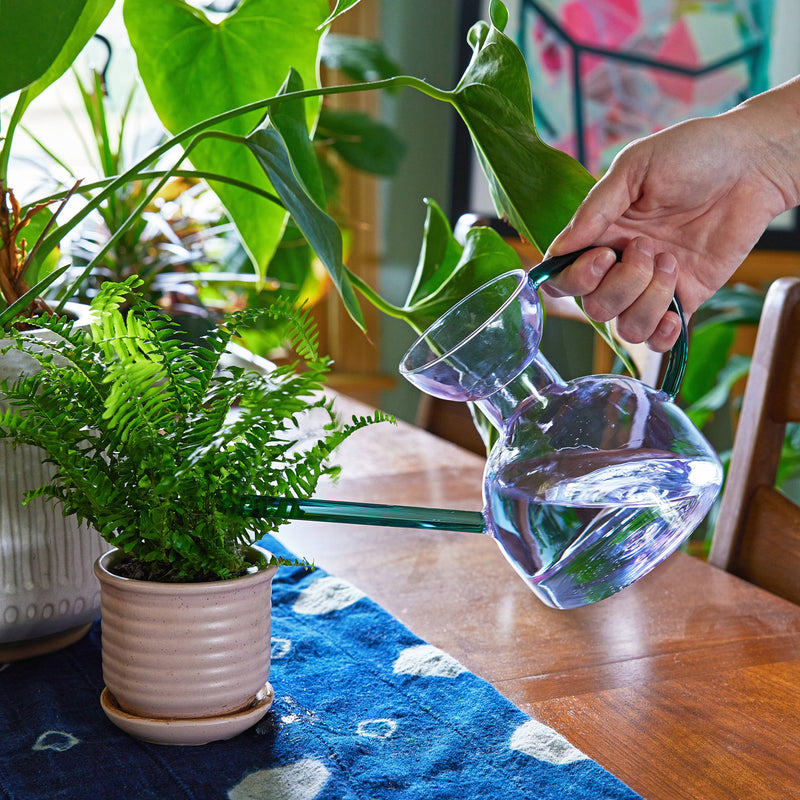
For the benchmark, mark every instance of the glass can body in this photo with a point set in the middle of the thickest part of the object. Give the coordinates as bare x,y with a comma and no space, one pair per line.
591,482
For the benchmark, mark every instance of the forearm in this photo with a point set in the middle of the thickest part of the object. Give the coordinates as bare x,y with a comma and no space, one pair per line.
773,118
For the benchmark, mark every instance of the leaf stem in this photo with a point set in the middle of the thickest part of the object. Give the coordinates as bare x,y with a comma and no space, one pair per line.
374,298
180,173
5,153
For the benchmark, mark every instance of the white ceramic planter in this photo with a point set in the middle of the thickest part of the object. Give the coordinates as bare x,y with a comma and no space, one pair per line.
185,663
49,595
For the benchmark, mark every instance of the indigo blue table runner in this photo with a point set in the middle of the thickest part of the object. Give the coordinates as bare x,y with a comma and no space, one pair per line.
364,710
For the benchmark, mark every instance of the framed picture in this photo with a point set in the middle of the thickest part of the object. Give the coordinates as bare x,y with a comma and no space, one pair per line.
605,72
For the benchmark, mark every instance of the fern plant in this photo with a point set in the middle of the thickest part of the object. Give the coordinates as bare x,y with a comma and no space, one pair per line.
156,444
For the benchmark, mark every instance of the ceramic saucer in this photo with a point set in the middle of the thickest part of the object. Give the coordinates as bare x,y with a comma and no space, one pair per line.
188,731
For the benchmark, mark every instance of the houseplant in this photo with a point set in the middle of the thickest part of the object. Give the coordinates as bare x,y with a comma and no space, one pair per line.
535,187
33,227
157,445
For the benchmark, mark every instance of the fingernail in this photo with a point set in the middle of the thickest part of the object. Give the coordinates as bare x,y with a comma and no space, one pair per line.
666,262
603,262
645,245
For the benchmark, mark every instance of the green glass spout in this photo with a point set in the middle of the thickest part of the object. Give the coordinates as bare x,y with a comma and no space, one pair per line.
364,513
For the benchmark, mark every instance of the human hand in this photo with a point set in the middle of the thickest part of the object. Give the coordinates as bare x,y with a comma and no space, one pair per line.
685,206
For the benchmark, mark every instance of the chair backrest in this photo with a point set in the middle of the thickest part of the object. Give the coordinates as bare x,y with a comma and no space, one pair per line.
757,535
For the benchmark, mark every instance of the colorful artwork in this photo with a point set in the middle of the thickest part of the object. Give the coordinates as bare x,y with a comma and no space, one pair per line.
604,72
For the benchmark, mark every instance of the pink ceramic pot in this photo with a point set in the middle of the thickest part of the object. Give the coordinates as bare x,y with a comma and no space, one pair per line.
175,651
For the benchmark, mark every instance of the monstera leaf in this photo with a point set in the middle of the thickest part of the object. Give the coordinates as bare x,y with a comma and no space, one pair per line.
534,186
240,58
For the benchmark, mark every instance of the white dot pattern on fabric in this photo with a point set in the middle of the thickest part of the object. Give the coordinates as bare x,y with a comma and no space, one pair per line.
56,740
280,648
325,595
536,739
376,728
302,780
427,661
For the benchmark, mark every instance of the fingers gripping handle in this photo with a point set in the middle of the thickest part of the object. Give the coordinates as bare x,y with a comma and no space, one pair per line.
678,355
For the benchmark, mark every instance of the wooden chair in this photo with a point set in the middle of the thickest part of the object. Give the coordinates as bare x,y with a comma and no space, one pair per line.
757,535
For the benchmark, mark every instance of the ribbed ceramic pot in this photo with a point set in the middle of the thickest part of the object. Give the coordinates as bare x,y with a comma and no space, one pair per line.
49,594
181,651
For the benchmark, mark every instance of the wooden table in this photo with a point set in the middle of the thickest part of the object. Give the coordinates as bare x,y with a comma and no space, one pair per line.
685,685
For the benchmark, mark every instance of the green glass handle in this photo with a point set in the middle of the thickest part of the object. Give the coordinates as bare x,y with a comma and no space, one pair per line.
445,519
678,355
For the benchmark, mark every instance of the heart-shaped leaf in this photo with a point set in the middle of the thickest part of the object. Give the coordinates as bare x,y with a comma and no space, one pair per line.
242,58
536,187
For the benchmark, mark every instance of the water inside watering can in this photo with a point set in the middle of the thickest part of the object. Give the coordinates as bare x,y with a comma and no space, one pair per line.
579,526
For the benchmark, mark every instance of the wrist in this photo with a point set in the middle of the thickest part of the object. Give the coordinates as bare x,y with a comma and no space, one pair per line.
772,120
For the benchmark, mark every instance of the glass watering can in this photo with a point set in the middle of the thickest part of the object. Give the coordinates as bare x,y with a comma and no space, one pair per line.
591,483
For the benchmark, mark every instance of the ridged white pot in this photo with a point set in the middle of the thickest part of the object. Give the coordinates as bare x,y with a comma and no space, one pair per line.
184,651
49,595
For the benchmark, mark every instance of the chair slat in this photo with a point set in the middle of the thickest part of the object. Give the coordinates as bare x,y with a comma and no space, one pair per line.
757,535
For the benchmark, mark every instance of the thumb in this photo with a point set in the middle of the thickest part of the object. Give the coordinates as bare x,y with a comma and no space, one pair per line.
606,202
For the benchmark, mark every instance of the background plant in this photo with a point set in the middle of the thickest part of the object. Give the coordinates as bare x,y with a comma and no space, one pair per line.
183,244
157,445
535,187
243,57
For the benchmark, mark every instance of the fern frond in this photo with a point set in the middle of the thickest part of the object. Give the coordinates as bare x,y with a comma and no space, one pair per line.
155,446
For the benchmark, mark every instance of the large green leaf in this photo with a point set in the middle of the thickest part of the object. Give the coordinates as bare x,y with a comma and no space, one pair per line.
39,41
282,147
31,37
439,256
534,186
92,14
448,272
194,68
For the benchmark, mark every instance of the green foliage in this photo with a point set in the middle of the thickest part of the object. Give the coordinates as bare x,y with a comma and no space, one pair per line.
194,67
447,271
535,187
713,370
156,442
282,147
40,40
210,78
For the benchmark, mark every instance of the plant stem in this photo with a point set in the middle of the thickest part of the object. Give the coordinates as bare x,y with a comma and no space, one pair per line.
374,298
194,134
5,153
86,188
136,170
